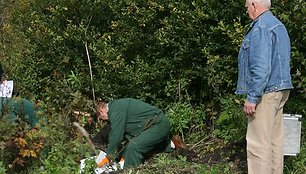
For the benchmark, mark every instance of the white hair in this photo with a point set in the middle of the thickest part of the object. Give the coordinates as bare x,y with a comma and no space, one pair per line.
265,3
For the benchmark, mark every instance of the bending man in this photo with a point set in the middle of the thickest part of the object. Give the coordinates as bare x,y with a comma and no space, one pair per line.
142,126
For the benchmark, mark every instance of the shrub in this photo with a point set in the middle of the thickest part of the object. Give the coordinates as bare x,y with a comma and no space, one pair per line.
231,124
186,119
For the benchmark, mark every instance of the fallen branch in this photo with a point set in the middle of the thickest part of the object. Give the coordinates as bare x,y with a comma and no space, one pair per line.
86,135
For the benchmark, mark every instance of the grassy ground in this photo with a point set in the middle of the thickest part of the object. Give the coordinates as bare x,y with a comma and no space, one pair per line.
213,157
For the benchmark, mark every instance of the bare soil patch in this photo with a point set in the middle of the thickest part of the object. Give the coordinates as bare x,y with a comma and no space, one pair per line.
232,154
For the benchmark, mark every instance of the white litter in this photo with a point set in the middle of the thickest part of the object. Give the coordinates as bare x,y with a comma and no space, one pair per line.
114,166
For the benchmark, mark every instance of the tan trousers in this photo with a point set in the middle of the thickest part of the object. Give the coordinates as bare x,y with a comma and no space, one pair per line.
265,135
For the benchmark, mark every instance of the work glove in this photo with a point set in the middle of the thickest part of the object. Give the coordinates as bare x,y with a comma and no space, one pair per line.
113,166
102,159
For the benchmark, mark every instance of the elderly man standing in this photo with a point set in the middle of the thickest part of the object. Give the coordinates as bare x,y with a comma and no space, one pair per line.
264,76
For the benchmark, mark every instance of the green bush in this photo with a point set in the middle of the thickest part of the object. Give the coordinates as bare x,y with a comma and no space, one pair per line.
186,119
20,145
232,122
2,168
179,55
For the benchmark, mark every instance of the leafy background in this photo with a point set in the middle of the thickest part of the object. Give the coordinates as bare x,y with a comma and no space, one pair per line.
178,55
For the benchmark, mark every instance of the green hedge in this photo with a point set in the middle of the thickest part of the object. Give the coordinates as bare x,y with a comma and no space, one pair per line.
176,54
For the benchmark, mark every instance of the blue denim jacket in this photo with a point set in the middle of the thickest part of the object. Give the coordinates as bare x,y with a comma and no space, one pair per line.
264,58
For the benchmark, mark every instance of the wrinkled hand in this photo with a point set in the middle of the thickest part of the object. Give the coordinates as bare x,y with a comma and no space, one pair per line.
249,108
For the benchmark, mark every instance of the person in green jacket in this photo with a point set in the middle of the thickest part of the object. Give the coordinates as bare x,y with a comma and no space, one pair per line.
18,107
142,126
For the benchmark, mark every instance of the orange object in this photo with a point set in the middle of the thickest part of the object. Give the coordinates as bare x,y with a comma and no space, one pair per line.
178,142
103,162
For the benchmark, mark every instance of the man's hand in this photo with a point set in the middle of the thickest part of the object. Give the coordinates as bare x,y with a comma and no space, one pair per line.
249,108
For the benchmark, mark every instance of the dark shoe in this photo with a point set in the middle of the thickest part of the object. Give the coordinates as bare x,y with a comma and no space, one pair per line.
178,142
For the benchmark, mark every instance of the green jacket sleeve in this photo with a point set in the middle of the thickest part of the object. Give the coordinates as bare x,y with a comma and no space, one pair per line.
116,133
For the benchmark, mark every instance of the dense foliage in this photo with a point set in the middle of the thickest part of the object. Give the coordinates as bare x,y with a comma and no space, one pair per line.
178,55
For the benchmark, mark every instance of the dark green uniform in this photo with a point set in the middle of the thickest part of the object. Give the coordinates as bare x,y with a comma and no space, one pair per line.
18,107
142,125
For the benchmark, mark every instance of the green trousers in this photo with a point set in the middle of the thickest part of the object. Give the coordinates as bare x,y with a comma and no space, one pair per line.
18,107
153,138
